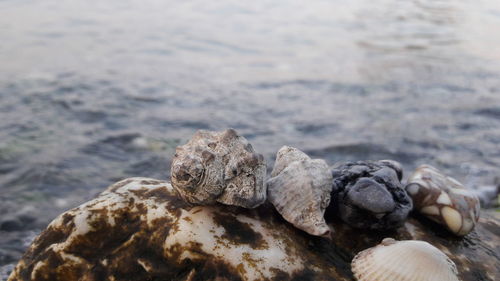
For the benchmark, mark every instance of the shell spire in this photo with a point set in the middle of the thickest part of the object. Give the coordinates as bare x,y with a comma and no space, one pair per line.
300,190
219,167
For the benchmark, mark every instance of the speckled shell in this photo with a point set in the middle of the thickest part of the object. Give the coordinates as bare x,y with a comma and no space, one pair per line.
408,260
443,200
219,167
300,190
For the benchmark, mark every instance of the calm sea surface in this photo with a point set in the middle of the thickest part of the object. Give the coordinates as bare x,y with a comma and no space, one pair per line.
95,91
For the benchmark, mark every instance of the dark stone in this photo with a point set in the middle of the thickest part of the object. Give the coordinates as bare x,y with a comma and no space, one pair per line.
372,196
369,195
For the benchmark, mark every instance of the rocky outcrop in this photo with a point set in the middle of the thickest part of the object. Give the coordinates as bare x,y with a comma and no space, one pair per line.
140,229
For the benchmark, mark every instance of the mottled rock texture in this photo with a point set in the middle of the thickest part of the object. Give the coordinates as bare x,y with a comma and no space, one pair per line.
369,194
219,167
140,229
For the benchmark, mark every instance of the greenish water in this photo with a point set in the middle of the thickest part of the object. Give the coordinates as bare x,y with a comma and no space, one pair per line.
91,93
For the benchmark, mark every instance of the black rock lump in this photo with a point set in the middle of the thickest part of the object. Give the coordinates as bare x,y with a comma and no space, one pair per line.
369,194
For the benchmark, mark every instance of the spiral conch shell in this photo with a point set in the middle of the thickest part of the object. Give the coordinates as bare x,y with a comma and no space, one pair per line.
219,167
408,260
443,200
299,188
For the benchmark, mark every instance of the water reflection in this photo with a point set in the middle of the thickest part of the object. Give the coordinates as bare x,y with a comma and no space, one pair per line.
410,39
94,92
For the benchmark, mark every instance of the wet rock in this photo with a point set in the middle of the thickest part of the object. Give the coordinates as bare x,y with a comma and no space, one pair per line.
369,194
300,190
219,167
140,229
443,199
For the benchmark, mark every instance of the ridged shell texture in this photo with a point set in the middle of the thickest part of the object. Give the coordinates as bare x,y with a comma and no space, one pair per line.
300,190
409,260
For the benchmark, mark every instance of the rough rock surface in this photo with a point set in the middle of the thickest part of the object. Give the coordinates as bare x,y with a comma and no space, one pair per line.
140,229
369,194
219,167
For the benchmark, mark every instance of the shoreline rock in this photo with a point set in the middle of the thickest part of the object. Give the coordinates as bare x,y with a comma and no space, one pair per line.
140,229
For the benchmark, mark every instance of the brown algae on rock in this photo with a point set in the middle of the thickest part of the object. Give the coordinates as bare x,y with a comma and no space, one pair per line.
219,167
300,190
141,229
443,200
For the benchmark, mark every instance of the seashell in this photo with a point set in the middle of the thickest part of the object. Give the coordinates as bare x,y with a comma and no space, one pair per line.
300,190
369,194
408,260
219,167
285,156
443,199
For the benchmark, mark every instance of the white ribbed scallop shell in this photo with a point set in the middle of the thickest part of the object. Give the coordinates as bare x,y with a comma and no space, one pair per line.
408,260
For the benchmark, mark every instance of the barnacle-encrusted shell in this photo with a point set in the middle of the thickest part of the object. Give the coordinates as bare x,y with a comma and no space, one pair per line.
443,199
369,194
408,260
300,190
219,167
